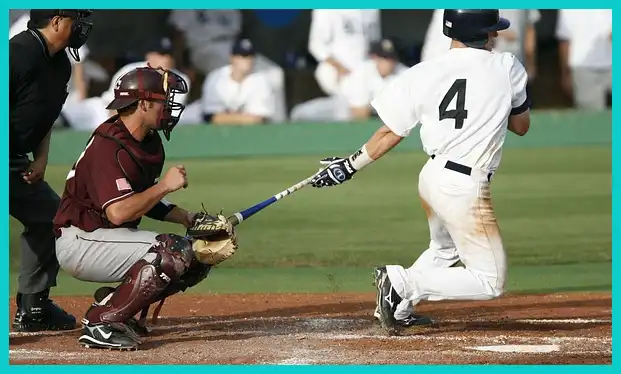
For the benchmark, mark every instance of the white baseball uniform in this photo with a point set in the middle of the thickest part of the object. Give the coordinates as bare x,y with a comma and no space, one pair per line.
252,95
88,114
21,24
210,35
357,91
343,34
588,32
462,100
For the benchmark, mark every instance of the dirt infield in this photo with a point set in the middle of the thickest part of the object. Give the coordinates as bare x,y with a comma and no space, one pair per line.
298,329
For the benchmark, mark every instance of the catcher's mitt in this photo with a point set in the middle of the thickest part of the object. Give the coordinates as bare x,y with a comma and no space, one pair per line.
213,238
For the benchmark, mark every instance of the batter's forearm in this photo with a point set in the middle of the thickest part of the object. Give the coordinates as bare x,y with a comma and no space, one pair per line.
381,142
136,206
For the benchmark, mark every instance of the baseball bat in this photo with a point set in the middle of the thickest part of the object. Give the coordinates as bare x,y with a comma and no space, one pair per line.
243,215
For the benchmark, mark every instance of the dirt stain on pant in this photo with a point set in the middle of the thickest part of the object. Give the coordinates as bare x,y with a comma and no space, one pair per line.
485,223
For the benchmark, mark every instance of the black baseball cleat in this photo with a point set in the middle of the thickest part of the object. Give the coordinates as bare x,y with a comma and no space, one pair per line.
36,312
412,320
139,329
387,301
107,336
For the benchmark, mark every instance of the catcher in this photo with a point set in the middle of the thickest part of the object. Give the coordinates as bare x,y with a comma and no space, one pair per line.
112,185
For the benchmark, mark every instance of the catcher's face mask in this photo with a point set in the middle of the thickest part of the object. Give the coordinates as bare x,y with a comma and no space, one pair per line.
172,84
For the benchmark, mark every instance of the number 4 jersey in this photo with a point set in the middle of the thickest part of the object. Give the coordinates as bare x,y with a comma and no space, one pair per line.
462,99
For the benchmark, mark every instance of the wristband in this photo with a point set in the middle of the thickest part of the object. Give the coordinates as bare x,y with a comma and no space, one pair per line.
360,158
160,210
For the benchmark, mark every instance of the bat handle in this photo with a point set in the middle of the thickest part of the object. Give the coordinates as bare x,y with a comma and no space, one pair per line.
234,220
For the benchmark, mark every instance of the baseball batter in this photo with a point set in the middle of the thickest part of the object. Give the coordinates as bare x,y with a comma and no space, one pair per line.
464,101
112,185
353,101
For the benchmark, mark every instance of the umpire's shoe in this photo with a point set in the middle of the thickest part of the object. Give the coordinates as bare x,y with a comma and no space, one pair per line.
387,301
107,336
36,312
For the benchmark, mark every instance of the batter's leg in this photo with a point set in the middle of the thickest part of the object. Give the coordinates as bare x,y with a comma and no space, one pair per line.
441,253
464,205
35,205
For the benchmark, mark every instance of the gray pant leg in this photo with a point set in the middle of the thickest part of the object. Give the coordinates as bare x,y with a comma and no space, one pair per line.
590,87
35,205
104,255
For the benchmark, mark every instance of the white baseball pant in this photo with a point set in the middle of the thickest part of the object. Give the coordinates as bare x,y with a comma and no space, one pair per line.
462,227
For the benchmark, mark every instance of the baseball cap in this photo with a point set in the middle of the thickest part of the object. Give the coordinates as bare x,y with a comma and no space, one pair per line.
43,14
384,48
243,47
163,46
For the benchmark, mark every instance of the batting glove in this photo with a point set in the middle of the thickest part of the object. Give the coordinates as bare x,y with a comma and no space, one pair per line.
338,171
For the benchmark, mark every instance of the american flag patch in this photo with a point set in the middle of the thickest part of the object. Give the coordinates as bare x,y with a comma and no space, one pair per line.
123,185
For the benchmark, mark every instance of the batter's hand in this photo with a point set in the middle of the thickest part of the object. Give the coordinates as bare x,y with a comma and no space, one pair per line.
338,171
175,178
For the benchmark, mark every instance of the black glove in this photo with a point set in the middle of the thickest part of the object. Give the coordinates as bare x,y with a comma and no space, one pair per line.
339,170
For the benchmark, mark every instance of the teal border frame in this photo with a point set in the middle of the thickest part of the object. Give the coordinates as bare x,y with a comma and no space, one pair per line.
273,4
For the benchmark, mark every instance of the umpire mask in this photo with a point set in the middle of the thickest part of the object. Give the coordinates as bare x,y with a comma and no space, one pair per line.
79,31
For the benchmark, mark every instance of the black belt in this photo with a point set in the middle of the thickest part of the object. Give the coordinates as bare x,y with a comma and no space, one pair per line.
461,168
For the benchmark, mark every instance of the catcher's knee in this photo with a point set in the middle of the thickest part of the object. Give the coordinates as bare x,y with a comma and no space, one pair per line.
146,281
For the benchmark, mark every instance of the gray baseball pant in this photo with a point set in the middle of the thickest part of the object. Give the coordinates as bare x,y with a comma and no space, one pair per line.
104,255
590,87
34,206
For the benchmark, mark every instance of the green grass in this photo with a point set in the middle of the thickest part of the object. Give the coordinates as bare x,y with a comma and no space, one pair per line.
553,205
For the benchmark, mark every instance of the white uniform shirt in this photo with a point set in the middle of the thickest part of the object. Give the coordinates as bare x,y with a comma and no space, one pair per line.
520,19
364,82
343,34
485,84
252,96
588,32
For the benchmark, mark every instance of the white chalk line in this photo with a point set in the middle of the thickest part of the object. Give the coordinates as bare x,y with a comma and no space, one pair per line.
310,357
323,322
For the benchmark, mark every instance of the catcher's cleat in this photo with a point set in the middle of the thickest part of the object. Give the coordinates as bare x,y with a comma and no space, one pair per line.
410,321
102,293
36,312
387,301
107,336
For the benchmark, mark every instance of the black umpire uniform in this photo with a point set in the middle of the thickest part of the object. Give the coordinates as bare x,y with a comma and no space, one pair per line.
37,92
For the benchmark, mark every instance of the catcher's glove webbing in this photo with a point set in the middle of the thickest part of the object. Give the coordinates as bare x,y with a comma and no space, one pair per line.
213,238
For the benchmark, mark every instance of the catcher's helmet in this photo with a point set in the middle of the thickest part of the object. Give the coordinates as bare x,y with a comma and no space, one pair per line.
153,85
472,26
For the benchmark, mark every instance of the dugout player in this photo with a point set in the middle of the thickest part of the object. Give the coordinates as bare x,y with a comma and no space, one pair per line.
112,185
39,70
465,100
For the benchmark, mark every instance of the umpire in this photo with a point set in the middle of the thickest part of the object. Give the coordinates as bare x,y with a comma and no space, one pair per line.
39,70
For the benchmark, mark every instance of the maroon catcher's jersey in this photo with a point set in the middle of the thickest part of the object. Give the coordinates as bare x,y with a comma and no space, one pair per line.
112,167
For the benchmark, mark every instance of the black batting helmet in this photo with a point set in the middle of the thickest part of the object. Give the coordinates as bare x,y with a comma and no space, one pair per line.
152,84
472,26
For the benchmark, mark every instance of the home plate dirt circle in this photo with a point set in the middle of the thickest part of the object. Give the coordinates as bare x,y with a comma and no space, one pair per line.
306,329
